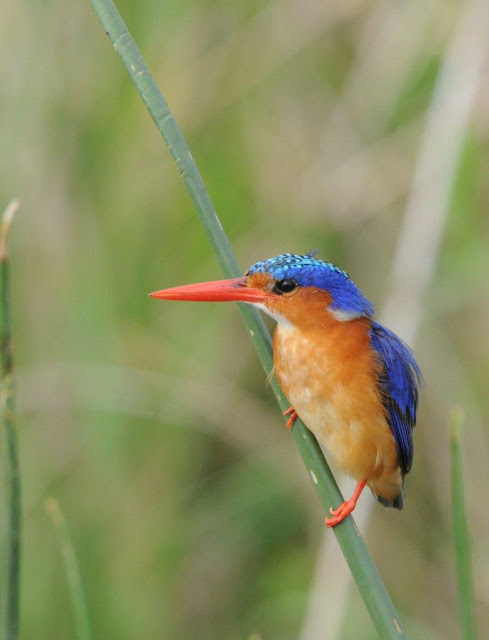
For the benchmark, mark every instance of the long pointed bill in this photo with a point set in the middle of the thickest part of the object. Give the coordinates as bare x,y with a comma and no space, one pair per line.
234,290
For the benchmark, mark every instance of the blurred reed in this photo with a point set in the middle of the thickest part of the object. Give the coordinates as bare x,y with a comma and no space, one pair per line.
459,525
13,516
73,575
381,609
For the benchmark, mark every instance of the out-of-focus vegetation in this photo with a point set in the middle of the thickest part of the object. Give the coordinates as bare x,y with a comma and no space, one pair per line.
151,423
459,525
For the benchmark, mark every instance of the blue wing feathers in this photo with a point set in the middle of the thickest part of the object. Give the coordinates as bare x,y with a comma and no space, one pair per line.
399,383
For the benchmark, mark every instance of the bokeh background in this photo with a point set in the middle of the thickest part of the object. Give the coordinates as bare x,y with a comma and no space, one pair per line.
360,128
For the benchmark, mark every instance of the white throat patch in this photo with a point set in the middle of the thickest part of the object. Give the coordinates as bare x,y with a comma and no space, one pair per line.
278,317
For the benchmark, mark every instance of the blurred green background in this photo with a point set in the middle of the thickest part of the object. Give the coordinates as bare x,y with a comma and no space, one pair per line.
151,423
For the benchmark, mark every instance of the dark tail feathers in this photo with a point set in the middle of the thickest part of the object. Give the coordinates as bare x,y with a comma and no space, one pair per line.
395,503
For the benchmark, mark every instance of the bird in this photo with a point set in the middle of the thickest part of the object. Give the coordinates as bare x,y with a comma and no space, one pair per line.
352,382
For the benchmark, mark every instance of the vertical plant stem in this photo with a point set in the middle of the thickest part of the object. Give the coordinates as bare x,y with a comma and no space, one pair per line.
460,530
367,578
73,575
11,596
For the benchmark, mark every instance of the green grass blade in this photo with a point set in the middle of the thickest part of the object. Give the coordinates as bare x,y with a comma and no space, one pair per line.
13,516
460,531
77,592
372,589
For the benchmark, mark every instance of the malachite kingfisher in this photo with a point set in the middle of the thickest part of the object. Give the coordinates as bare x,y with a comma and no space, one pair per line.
352,382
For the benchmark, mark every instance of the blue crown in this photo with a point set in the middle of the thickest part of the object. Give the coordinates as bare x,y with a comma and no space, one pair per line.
285,261
309,271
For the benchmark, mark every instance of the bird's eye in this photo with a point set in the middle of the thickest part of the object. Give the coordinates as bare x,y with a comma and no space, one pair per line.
285,286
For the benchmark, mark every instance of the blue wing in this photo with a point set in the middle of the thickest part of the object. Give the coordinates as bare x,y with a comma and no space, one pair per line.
399,382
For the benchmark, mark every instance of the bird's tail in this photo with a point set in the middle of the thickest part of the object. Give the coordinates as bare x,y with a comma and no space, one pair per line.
389,491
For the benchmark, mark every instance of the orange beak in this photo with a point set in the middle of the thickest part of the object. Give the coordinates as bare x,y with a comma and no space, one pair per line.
234,290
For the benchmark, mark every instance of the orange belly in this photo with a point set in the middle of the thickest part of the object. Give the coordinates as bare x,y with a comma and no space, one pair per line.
329,375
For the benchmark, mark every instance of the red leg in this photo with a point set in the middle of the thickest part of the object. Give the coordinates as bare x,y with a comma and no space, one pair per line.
347,507
293,416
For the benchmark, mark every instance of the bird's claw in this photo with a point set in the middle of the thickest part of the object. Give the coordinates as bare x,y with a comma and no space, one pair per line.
293,417
339,514
346,506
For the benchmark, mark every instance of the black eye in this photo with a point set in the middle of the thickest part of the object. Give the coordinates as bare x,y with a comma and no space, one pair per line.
285,286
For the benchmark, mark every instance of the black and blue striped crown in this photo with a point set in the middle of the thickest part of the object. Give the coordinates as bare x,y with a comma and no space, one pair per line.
285,262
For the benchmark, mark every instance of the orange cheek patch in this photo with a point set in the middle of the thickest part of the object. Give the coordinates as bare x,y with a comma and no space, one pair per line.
305,307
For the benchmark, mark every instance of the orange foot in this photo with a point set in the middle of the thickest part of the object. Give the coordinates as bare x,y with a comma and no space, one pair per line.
344,510
293,416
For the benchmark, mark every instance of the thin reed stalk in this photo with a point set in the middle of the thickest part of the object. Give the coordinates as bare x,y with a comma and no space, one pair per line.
13,515
460,531
382,611
73,575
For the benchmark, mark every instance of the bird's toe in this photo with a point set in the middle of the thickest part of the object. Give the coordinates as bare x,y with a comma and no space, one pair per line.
339,514
292,416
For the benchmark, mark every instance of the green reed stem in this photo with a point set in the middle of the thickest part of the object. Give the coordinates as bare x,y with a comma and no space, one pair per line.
460,531
73,575
13,515
372,589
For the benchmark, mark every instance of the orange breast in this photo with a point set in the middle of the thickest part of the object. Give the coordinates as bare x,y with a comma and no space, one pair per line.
328,371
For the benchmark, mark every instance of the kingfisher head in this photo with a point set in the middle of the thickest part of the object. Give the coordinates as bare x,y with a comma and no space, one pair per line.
294,289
